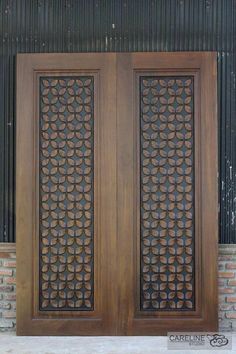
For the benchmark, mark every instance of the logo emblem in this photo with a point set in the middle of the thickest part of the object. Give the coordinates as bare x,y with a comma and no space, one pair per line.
217,340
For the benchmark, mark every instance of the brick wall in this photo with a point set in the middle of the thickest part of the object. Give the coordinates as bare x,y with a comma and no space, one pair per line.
7,287
227,287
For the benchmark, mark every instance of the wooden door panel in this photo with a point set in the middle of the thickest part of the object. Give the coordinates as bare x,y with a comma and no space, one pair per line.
63,237
166,195
167,174
66,193
116,213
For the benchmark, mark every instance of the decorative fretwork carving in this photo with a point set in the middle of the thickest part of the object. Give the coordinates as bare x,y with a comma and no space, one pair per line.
167,193
66,195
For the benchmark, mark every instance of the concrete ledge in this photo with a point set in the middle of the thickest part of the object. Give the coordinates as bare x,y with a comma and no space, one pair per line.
92,345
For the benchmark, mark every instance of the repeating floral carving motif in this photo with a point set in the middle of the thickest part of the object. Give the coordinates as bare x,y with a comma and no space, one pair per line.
66,193
167,193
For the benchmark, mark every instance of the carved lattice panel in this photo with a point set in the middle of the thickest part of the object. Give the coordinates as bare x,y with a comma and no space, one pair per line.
167,193
66,198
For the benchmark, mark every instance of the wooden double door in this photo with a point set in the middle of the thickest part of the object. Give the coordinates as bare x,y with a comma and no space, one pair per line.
116,186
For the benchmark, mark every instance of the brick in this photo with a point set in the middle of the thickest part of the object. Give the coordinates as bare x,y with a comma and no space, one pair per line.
225,325
10,297
226,274
9,314
6,272
225,307
9,264
222,298
232,282
221,282
6,288
6,324
5,305
231,315
226,291
231,299
221,266
225,257
231,266
10,280
4,255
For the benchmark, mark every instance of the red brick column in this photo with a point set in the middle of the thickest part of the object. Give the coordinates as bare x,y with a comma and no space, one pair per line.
7,286
227,287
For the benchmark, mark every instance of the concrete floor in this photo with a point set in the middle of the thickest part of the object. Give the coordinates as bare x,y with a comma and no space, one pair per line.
10,343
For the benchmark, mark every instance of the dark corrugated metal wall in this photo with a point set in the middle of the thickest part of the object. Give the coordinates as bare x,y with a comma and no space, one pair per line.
31,26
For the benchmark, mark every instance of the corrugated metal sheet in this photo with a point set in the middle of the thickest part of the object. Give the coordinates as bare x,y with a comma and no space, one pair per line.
38,26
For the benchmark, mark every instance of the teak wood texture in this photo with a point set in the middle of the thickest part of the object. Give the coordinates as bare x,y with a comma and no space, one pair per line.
116,218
